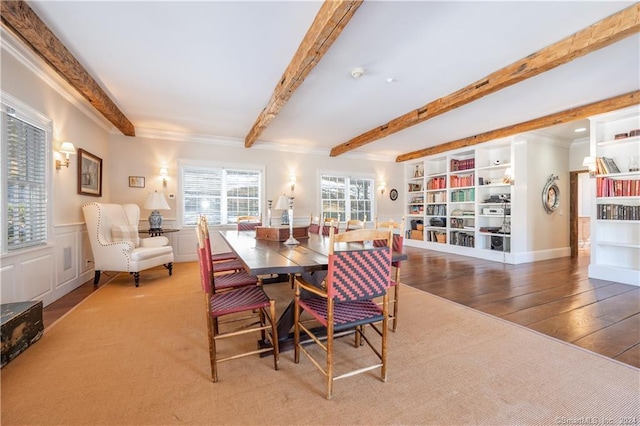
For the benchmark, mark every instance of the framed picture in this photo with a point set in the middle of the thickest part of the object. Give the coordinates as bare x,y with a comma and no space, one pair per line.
89,174
136,181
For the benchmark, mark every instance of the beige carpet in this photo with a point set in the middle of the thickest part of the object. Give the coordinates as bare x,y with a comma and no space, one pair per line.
131,355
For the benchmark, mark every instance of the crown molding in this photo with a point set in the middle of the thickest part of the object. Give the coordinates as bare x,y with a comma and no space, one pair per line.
14,46
142,132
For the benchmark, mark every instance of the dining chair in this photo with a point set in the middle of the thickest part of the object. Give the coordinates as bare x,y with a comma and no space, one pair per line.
218,257
356,224
398,242
328,224
356,275
238,307
248,223
314,225
231,263
233,278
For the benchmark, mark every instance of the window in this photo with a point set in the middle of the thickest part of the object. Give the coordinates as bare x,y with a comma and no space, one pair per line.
345,198
25,146
221,193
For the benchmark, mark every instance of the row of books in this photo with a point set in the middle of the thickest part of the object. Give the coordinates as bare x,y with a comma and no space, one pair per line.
467,164
436,236
418,209
463,195
437,183
618,212
606,165
437,210
436,197
463,239
462,181
607,187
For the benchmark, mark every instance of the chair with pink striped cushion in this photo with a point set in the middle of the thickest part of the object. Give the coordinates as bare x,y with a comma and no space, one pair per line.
237,276
398,242
355,276
329,224
217,257
248,223
236,302
314,225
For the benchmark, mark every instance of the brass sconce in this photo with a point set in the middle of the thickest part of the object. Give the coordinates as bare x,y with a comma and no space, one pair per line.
67,149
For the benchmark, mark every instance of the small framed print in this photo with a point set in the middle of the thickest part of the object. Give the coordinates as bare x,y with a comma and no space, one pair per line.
136,181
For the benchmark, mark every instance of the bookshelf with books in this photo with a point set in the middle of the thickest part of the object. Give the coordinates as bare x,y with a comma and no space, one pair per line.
454,219
615,224
415,195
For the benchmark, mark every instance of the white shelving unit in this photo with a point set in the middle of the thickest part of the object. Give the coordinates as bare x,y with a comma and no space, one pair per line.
615,219
467,203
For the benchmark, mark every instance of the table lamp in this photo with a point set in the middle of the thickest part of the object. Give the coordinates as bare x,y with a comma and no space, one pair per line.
155,202
283,204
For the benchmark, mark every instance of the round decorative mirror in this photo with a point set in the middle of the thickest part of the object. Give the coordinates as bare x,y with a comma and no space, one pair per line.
551,195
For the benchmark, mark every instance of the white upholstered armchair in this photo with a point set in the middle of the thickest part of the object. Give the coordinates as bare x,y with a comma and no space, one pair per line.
116,245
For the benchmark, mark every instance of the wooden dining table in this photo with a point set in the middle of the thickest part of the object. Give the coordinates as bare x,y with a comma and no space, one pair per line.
266,257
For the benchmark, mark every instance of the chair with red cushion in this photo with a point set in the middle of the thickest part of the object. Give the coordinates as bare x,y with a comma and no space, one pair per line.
232,264
330,223
248,223
236,276
314,225
398,242
238,306
356,275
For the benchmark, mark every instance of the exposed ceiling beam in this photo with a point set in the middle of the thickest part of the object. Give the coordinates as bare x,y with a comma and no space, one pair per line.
601,34
567,116
22,20
331,19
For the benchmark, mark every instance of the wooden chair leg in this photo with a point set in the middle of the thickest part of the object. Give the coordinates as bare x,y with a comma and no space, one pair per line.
296,327
396,299
274,334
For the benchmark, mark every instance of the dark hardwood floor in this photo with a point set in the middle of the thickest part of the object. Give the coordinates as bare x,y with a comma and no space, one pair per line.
554,297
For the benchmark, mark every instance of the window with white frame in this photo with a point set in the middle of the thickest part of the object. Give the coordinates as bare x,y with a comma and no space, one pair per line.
221,193
346,197
26,137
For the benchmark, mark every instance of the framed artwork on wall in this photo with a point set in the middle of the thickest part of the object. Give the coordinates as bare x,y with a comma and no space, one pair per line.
89,174
136,181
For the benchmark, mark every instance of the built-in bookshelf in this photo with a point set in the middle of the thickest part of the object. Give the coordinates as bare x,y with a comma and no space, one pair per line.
466,202
615,224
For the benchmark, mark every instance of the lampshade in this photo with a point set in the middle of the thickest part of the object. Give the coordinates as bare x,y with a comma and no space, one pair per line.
283,203
156,201
67,148
588,162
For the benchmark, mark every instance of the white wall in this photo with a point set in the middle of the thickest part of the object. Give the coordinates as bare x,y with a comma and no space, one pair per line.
137,156
547,234
41,273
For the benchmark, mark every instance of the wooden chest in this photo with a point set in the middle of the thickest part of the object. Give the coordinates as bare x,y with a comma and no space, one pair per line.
281,233
21,327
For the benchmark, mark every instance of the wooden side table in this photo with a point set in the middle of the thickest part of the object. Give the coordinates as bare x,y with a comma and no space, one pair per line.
157,232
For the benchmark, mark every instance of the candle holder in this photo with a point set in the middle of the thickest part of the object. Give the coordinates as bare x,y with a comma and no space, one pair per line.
291,241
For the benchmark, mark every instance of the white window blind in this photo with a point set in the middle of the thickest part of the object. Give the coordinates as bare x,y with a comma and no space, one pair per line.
221,194
345,198
25,183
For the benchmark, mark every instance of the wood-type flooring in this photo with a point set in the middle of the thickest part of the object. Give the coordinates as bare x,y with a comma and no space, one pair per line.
554,297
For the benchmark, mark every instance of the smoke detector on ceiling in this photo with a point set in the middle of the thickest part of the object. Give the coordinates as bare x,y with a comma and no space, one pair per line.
357,72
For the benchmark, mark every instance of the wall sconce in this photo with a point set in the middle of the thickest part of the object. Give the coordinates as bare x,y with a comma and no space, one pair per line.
164,173
67,149
590,163
292,182
382,187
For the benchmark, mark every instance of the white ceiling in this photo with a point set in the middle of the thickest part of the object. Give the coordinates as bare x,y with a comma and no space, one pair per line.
207,68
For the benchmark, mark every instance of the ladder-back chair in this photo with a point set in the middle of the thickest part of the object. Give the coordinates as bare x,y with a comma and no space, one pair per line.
328,224
398,242
356,275
238,307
